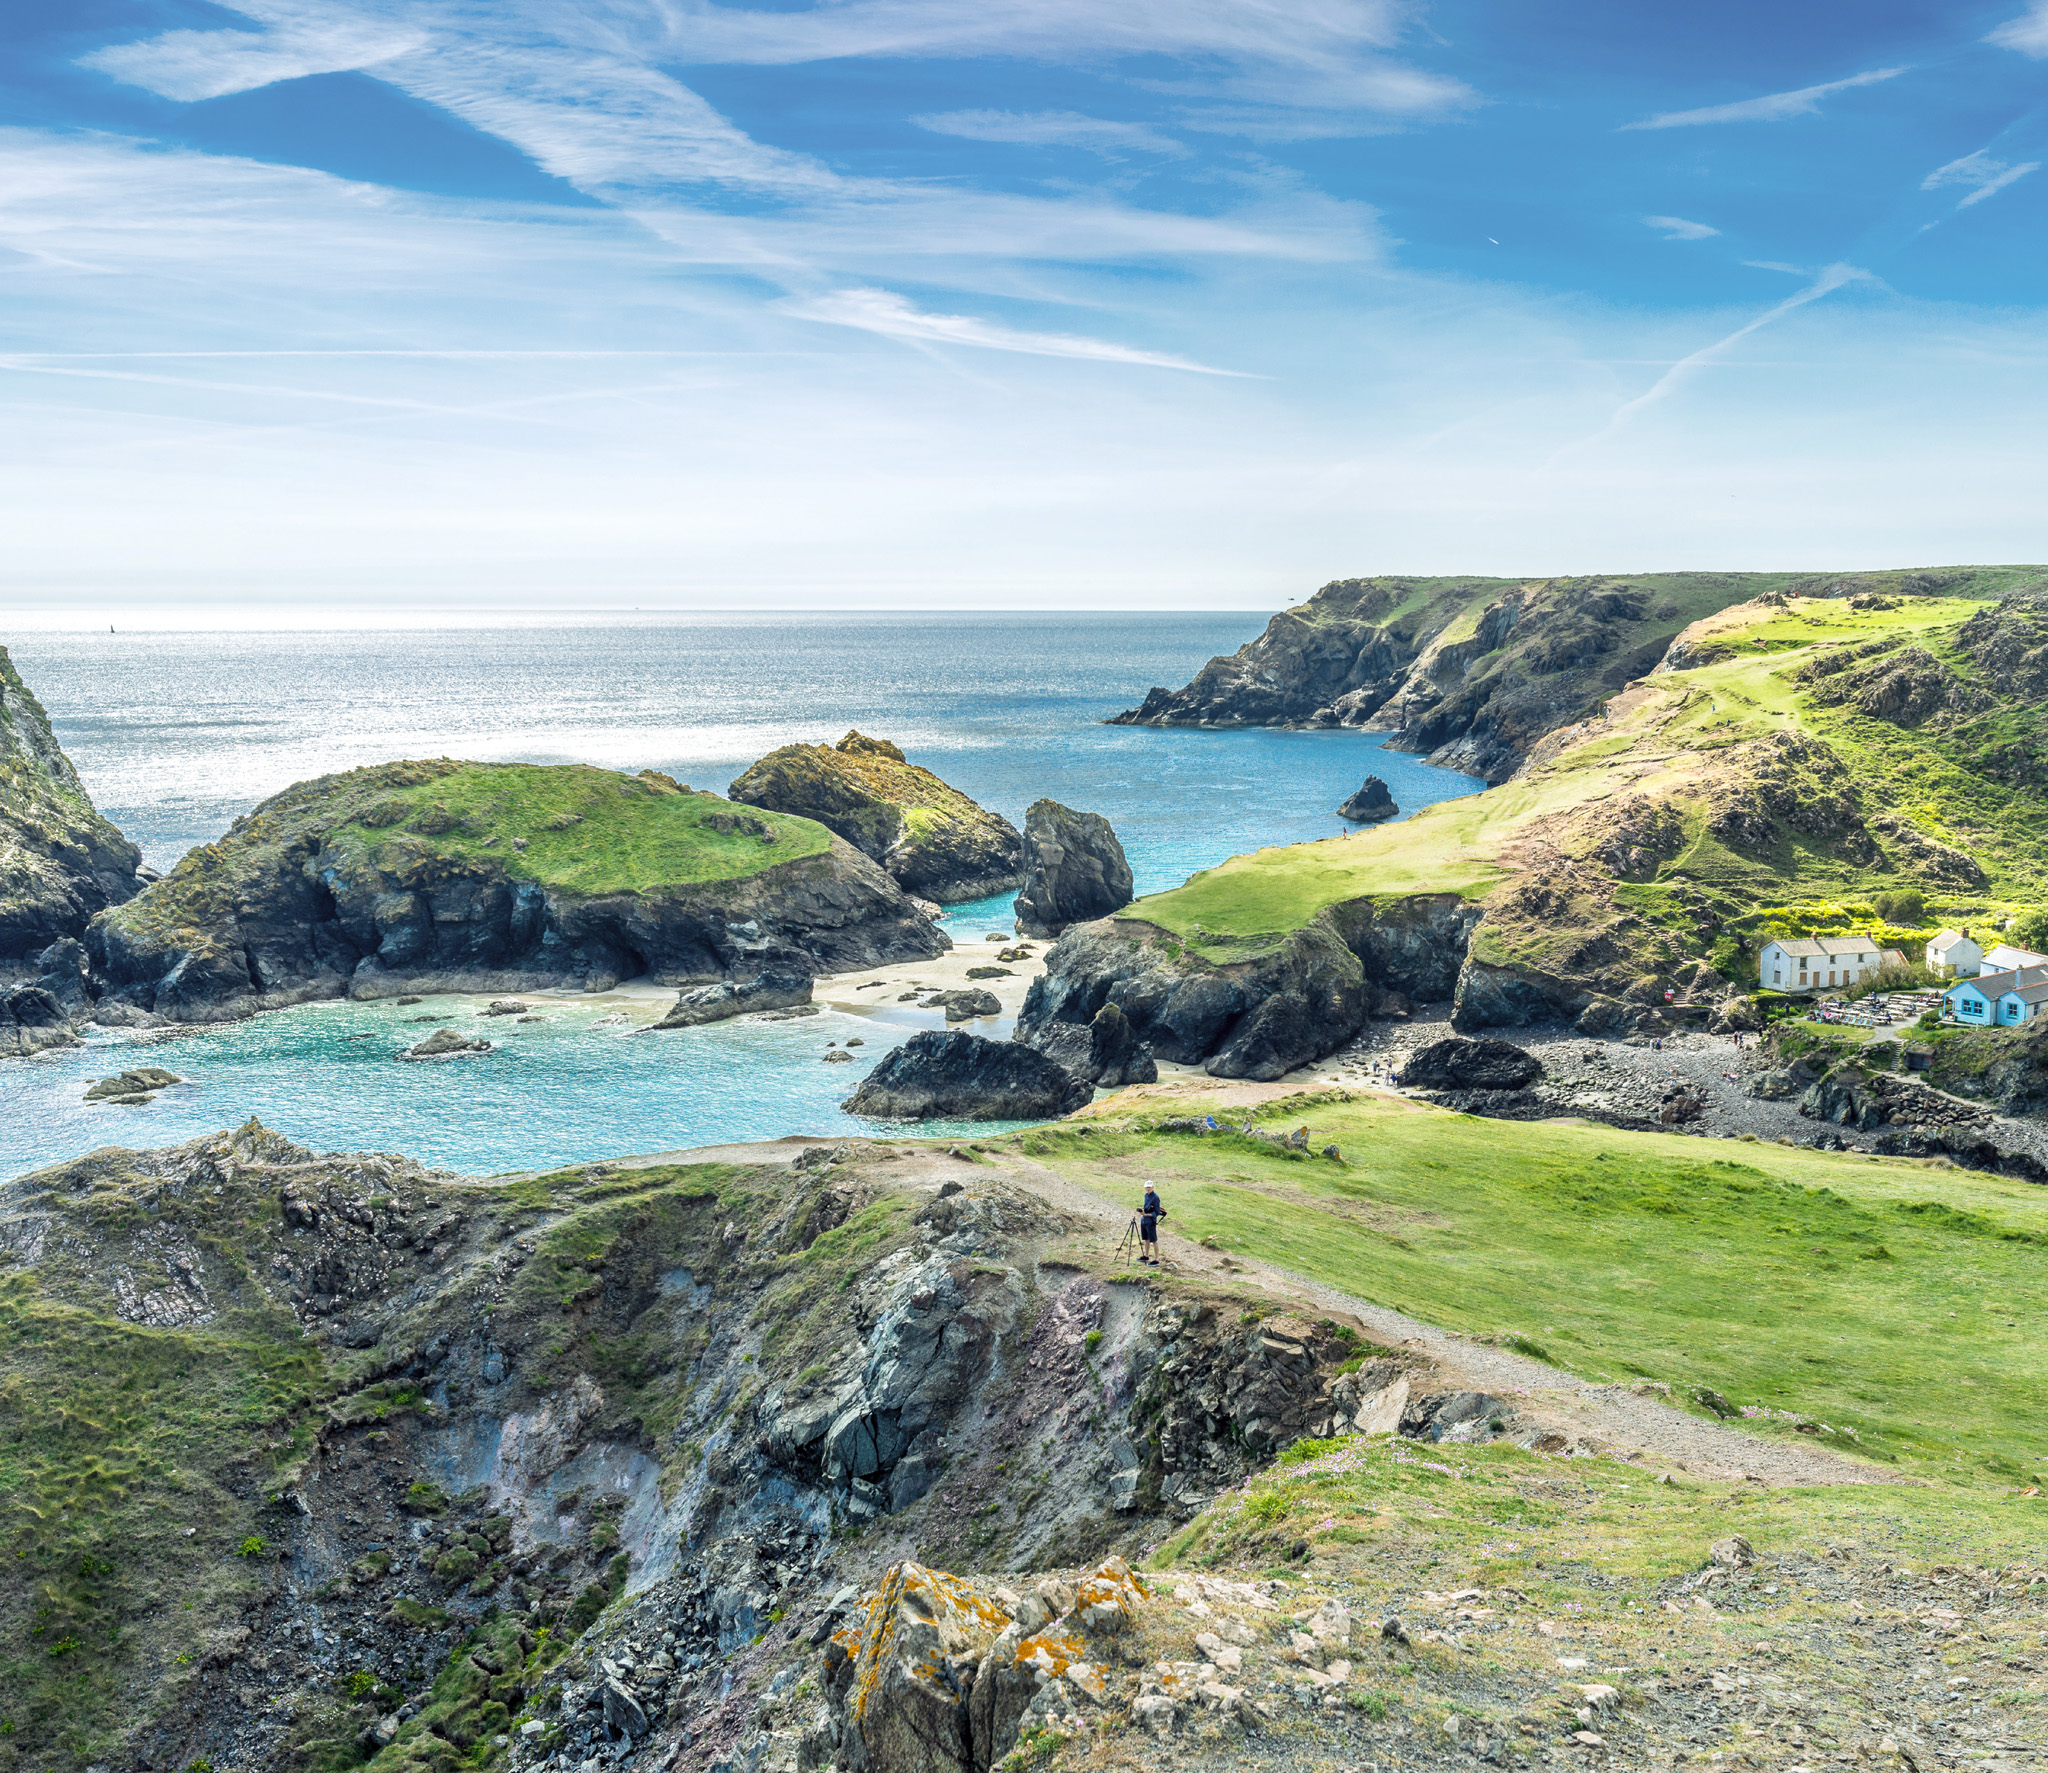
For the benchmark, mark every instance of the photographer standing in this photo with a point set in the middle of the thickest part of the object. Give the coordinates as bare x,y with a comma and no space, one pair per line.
1149,1216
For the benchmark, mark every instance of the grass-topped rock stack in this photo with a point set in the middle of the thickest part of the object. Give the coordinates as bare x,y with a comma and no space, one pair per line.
934,840
486,877
59,860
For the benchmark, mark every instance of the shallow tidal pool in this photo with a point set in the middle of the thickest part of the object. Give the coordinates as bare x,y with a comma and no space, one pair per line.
576,1086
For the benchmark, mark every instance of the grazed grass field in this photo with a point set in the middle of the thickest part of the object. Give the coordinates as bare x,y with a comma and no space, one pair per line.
1898,1304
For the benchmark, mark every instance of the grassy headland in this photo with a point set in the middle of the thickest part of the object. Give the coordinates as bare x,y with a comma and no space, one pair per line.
1896,1305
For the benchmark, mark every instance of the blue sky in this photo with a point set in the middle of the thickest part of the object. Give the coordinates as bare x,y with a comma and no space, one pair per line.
327,303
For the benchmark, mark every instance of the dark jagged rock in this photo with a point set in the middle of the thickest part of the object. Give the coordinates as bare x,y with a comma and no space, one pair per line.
60,862
1372,803
1106,1050
1074,869
444,876
1279,1008
772,990
31,1021
927,834
935,1076
61,970
1456,1063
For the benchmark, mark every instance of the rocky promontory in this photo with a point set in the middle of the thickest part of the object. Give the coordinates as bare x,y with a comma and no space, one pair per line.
59,860
1475,671
1074,869
929,836
440,875
1257,1012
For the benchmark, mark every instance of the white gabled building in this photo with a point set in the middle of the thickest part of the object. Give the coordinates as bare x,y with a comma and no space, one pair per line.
1817,963
2005,958
1999,1000
1952,953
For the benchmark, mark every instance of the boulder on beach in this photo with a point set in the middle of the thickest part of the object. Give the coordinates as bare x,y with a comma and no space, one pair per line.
1457,1063
774,988
1074,869
446,1043
963,1004
1372,803
503,1006
955,1076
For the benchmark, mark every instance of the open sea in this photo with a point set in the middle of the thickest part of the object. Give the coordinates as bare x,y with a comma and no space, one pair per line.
176,733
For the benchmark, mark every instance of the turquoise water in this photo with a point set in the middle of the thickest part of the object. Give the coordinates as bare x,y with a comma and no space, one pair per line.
177,733
577,1086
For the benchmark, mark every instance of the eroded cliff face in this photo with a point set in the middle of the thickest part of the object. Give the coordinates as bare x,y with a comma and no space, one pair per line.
398,1437
1471,671
1285,1005
297,902
60,862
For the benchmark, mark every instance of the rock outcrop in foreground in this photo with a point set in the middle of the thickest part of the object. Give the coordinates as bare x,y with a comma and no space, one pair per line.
929,836
60,862
1074,869
496,877
934,1076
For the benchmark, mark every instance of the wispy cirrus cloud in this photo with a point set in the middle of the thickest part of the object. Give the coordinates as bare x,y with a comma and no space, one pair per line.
883,311
192,65
1985,176
2028,33
1676,227
1774,107
1053,129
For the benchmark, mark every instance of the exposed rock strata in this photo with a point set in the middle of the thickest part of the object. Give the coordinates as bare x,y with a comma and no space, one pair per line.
1260,1017
1074,869
1472,671
60,862
935,1076
342,886
929,836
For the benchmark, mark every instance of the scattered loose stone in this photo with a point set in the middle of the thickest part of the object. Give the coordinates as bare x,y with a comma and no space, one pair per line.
446,1043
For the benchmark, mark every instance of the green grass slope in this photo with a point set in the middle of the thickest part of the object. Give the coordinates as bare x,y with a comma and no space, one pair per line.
1818,750
1901,1308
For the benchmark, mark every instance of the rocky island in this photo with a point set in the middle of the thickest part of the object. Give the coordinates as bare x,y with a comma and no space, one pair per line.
930,837
448,876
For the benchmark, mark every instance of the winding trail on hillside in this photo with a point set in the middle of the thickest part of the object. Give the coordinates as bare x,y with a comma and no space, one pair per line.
1604,1418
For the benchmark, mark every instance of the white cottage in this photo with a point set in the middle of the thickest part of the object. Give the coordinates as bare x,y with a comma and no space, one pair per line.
2005,958
1817,963
1999,1000
1953,955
